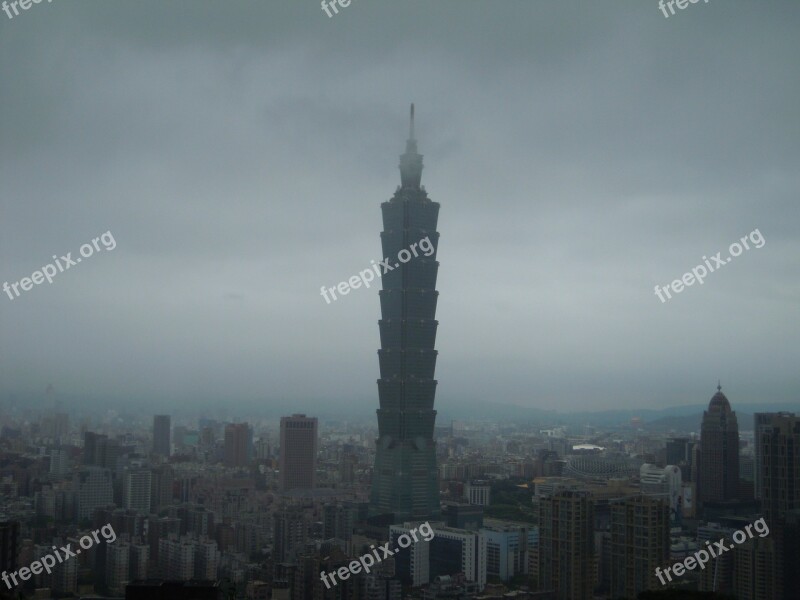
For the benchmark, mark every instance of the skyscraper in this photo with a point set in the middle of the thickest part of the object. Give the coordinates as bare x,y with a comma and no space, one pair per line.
298,459
161,435
566,544
780,467
639,544
719,451
136,484
238,444
405,478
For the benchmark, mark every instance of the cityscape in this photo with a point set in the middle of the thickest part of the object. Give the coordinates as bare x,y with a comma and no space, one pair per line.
290,371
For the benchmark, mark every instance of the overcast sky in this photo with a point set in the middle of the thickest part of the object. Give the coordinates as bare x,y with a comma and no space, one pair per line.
582,153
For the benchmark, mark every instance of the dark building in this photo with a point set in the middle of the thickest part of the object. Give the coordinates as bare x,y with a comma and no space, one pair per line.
99,451
566,544
298,459
161,435
405,477
780,466
462,515
9,545
238,444
719,452
289,533
640,543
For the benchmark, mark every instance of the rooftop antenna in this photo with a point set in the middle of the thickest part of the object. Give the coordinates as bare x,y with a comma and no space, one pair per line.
411,124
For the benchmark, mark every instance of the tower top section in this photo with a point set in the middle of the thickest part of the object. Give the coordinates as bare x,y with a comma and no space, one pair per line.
411,160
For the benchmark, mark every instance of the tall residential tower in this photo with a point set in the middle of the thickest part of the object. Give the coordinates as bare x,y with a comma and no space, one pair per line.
405,479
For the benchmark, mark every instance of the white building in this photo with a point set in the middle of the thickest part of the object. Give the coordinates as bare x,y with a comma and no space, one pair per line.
206,559
60,462
662,483
508,547
136,490
176,557
448,552
477,492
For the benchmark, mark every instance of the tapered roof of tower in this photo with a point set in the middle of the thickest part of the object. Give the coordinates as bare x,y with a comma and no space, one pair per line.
719,403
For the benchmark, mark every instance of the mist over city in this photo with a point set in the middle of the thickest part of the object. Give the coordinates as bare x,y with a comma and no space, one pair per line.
285,283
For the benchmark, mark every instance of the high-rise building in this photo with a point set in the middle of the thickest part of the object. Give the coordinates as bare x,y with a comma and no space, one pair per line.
93,488
508,547
719,452
640,542
755,571
298,459
9,545
176,558
161,481
665,483
289,533
760,421
338,522
780,466
99,451
161,435
117,571
566,544
405,478
136,484
238,444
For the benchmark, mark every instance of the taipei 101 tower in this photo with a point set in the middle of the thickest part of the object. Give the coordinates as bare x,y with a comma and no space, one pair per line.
405,484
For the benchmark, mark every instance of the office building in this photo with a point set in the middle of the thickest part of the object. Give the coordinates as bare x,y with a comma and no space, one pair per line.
640,542
9,545
462,515
719,452
161,435
755,571
508,547
779,470
117,571
136,490
453,551
566,544
665,483
477,492
298,458
238,444
93,488
405,478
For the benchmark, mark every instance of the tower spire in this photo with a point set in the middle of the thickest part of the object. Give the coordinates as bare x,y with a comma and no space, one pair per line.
411,161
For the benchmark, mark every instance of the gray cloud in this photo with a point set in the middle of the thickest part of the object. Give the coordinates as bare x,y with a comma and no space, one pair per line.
239,152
